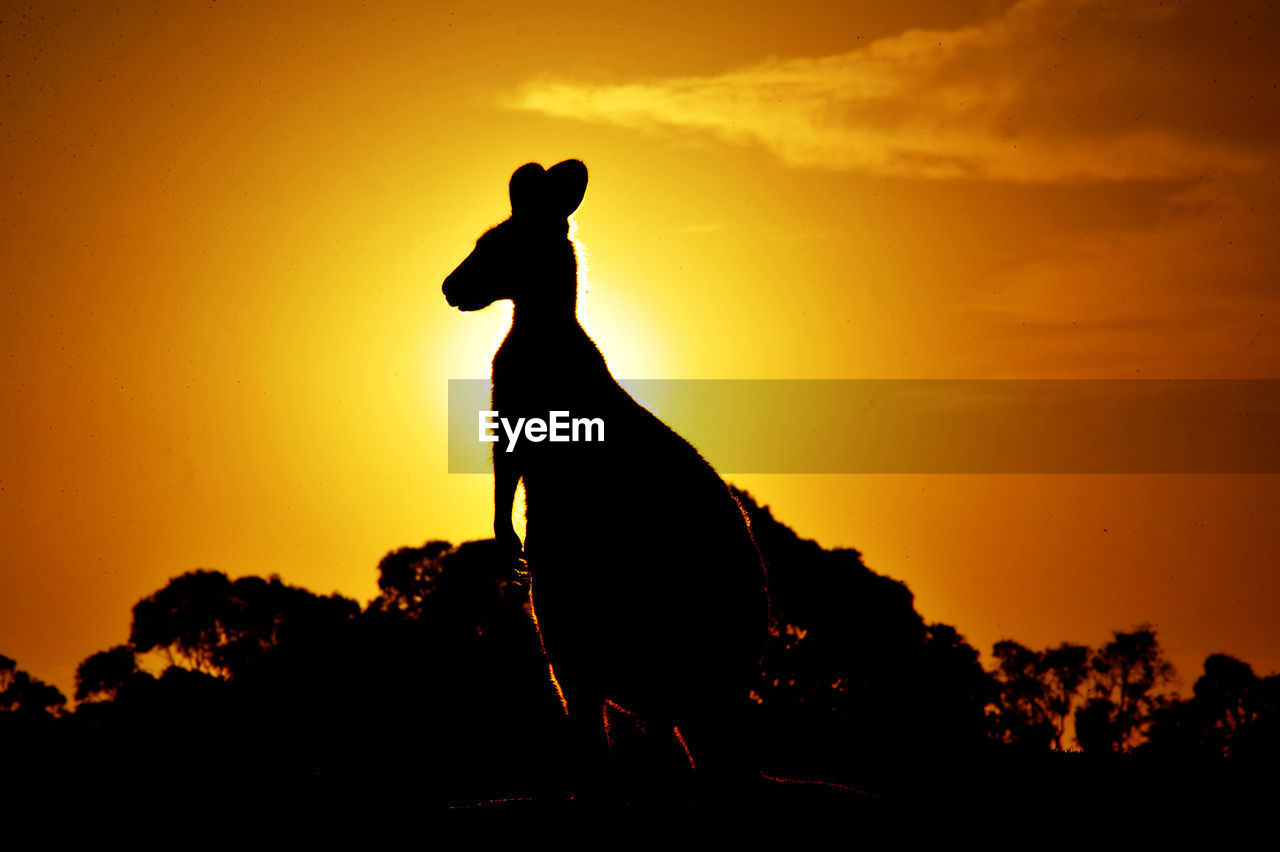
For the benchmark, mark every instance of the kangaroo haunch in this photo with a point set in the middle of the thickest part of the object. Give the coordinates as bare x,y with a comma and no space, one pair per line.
647,583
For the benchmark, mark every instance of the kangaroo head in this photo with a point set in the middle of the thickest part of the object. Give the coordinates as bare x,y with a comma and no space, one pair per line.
525,258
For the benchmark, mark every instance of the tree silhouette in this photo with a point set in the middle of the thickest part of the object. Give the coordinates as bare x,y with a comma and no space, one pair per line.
407,575
33,743
1022,714
1038,692
100,676
451,657
205,622
21,693
1226,701
8,668
1124,675
186,620
1232,713
437,692
1064,670
853,675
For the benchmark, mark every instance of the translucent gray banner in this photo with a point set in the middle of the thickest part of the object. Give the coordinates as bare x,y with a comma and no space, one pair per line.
943,426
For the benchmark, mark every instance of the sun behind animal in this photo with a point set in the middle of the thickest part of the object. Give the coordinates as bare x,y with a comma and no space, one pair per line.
646,581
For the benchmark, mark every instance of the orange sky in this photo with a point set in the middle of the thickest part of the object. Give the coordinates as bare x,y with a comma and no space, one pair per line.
225,227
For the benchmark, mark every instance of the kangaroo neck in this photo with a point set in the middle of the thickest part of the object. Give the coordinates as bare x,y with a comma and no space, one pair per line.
551,303
536,318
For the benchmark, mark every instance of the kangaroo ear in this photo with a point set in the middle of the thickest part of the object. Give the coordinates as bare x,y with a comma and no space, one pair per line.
568,183
528,189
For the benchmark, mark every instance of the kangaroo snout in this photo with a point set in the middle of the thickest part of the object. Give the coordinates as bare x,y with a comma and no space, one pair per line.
453,290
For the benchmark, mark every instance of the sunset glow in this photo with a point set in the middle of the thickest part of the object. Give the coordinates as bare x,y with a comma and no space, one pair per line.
226,227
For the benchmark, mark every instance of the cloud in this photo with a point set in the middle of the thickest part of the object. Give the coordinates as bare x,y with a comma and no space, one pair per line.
1047,91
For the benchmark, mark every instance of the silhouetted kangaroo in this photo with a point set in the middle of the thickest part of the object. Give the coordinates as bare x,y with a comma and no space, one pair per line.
647,584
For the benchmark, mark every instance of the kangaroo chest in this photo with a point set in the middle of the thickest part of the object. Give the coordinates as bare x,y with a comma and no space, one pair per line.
533,373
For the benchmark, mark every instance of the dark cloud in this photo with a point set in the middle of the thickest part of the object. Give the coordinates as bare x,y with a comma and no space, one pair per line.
1045,91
